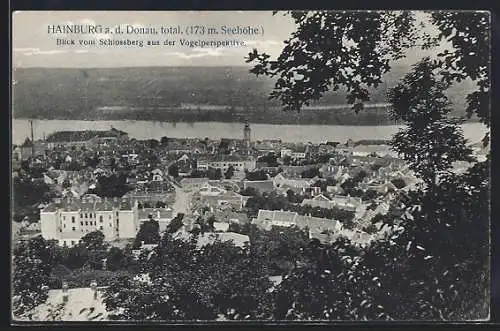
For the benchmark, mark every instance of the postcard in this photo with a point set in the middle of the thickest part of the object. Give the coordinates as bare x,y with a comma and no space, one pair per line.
217,166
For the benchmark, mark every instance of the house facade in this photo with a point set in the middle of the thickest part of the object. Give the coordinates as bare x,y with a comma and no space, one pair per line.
223,163
266,219
68,220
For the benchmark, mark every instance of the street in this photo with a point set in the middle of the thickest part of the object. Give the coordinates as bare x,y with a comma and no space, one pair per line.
182,200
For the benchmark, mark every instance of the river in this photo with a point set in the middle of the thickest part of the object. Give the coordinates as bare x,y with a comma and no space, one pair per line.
287,133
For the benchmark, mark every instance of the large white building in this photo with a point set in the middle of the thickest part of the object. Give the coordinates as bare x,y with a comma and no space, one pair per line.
68,220
223,162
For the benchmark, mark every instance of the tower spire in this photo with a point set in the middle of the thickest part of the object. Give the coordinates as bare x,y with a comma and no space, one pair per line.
32,140
246,136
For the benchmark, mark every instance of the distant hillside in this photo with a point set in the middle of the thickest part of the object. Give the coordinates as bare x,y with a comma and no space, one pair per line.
188,94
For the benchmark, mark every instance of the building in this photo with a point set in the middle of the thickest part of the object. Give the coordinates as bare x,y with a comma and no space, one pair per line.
223,162
85,138
246,136
29,149
281,181
68,220
150,196
157,175
338,201
162,215
333,171
266,219
209,190
193,184
285,152
266,146
225,199
221,226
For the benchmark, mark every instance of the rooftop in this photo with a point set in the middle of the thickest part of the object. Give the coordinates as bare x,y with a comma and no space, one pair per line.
66,136
302,221
225,158
87,205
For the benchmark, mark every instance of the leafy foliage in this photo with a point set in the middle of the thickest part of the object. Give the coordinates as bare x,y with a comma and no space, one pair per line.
425,268
430,142
113,186
149,233
31,270
173,170
310,173
229,172
331,50
270,159
27,195
256,175
186,283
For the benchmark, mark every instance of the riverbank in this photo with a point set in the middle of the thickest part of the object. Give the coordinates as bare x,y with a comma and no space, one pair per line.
216,130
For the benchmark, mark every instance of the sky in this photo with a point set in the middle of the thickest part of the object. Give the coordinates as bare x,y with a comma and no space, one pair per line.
34,46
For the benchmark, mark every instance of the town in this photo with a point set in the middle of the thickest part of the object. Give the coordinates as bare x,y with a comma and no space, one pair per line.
75,185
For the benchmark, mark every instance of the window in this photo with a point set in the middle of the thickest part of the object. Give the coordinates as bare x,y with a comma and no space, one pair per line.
64,243
101,228
116,214
109,216
64,217
100,218
72,219
72,242
86,223
95,215
110,225
73,228
64,225
81,223
60,230
86,215
81,215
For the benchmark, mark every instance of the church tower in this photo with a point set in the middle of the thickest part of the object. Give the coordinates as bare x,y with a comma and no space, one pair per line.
246,135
